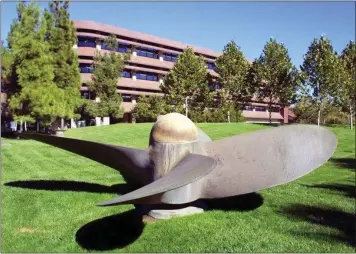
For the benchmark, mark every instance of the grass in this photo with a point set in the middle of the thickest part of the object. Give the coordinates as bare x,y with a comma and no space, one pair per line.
49,196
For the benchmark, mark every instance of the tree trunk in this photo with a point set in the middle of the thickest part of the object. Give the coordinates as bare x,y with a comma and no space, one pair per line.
319,117
351,119
38,125
62,123
270,112
25,126
21,126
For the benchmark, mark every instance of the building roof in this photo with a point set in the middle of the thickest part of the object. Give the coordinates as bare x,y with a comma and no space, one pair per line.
100,27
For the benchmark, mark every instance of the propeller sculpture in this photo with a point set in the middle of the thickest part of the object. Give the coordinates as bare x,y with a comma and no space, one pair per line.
182,164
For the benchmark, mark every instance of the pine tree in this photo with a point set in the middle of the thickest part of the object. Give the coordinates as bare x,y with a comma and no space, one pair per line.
233,67
274,76
348,58
188,78
61,36
38,96
107,71
322,71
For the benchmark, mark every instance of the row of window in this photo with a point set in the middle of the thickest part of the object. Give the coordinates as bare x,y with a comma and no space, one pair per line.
141,51
124,74
260,109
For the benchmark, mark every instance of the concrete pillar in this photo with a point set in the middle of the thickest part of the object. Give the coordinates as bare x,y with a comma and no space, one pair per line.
106,120
97,121
73,124
285,113
160,79
133,99
98,44
133,75
160,56
134,52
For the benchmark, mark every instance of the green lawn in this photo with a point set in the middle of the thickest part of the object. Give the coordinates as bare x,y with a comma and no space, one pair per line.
49,196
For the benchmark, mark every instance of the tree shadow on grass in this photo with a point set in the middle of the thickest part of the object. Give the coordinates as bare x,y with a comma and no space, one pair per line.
245,202
348,163
349,190
329,217
59,185
111,232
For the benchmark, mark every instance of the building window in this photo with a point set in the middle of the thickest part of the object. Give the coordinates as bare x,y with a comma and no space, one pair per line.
86,68
126,97
126,74
146,52
215,86
147,76
248,108
86,42
170,57
123,48
211,66
261,109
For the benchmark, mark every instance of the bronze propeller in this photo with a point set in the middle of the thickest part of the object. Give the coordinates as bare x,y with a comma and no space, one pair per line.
182,164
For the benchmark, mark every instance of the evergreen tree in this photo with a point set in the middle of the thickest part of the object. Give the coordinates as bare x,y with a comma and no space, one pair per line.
348,57
274,76
188,78
61,37
233,67
149,108
322,71
38,96
107,71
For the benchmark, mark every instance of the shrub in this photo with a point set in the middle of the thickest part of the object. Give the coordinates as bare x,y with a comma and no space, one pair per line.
149,108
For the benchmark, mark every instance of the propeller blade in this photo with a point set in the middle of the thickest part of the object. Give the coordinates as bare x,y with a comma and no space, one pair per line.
266,158
190,169
133,164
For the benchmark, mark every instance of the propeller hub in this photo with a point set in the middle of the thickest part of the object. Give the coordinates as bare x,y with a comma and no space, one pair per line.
174,128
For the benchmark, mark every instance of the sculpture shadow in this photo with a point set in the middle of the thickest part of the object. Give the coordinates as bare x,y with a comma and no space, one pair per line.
348,190
348,163
329,217
62,185
111,232
246,202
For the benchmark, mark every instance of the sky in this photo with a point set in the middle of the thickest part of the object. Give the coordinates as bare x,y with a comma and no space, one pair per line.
212,25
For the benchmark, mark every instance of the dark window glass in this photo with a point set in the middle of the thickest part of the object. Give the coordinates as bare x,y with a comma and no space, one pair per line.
126,74
215,86
126,97
261,109
86,68
170,57
147,76
211,66
145,52
86,42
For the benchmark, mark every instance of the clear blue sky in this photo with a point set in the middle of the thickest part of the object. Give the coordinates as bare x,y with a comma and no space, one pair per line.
212,24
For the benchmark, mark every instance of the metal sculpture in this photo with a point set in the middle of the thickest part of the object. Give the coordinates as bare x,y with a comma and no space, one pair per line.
182,164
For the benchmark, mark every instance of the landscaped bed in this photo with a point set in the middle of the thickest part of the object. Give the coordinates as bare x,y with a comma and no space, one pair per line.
49,201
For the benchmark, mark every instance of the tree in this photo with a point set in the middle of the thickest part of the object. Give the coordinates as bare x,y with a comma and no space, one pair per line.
107,71
38,96
61,36
348,58
188,77
149,108
232,68
274,76
322,71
